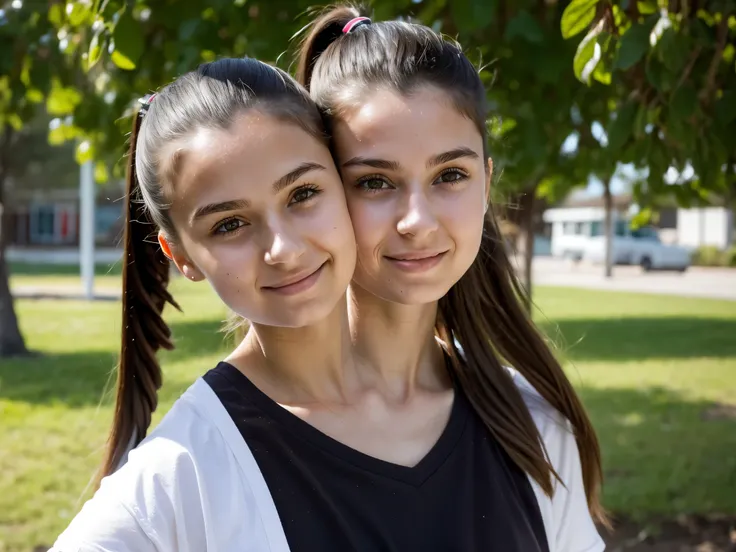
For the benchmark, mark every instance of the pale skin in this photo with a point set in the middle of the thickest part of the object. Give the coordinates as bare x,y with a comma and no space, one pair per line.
378,386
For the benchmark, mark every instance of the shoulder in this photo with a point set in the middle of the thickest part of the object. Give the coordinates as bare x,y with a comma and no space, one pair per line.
566,517
553,426
162,492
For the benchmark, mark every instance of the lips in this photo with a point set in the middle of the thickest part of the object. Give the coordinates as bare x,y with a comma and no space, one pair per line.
296,283
415,255
416,261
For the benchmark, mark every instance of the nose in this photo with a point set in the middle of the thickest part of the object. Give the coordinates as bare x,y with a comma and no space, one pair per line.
418,220
285,246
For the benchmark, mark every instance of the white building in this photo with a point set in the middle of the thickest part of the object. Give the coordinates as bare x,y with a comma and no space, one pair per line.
712,226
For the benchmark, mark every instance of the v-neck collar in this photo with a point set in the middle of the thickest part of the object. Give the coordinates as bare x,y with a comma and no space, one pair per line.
412,475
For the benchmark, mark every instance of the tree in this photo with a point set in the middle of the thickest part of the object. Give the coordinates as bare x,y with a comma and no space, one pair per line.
670,67
33,70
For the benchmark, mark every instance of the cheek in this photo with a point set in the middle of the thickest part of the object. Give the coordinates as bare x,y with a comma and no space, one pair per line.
230,267
371,221
329,225
462,218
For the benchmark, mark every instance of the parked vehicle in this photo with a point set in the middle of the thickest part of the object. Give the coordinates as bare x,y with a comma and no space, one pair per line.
583,239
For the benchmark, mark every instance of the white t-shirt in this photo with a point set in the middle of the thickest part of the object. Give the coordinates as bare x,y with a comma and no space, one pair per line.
193,485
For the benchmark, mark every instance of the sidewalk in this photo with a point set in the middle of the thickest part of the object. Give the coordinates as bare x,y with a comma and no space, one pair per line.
68,292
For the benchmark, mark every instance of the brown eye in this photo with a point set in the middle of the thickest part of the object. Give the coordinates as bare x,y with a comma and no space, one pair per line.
373,184
303,194
229,226
451,176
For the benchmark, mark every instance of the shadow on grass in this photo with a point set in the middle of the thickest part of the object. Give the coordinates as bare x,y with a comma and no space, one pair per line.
82,378
639,338
664,454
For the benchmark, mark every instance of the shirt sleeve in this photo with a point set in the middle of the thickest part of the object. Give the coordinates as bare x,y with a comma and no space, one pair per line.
574,526
151,504
104,525
567,519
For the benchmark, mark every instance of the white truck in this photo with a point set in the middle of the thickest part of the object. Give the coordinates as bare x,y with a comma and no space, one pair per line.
578,234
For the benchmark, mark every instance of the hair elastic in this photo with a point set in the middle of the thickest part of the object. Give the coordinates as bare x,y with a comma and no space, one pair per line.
145,102
355,23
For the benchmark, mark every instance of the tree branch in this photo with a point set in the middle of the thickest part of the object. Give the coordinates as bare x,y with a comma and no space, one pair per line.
689,67
710,82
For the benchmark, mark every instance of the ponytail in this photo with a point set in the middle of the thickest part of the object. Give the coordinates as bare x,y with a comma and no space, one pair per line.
321,33
484,314
144,332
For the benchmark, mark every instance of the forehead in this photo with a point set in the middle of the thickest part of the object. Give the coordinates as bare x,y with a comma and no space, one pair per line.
422,123
256,149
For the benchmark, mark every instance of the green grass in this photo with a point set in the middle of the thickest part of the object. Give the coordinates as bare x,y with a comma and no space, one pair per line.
651,370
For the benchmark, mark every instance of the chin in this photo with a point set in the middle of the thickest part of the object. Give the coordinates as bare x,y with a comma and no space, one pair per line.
412,295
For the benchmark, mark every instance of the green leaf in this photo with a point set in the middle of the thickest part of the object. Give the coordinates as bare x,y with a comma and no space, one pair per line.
56,14
14,120
673,50
84,152
647,7
128,39
619,130
524,26
95,50
683,102
642,218
34,95
603,71
634,44
587,55
725,108
578,15
62,100
79,14
640,122
472,15
121,61
102,175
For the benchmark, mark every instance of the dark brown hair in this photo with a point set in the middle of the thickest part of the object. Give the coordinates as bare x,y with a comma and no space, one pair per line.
209,97
482,318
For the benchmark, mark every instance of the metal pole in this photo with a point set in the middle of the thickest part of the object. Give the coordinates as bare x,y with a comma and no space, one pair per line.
87,229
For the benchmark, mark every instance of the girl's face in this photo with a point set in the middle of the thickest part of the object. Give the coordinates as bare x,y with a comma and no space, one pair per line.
259,211
416,185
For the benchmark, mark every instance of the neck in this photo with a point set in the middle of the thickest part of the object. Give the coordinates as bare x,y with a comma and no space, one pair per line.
307,364
396,343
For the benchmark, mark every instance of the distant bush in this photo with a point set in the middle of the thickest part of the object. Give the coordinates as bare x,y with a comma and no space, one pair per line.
730,256
709,255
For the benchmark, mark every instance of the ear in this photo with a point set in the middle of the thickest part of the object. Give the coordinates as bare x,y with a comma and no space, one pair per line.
181,261
489,176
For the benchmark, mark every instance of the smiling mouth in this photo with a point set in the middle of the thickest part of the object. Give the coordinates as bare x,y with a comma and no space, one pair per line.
297,285
417,262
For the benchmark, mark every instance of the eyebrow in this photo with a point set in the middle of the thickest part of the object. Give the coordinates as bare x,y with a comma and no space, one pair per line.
434,161
289,178
446,157
375,163
221,207
236,204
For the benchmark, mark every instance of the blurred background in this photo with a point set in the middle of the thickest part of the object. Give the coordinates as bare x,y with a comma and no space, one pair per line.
613,128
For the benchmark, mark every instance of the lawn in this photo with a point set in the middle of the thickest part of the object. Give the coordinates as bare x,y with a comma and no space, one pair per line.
657,373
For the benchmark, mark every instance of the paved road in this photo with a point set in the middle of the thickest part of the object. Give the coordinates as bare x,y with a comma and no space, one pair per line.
696,282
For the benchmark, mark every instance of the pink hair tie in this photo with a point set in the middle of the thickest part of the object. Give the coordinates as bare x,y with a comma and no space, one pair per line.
354,23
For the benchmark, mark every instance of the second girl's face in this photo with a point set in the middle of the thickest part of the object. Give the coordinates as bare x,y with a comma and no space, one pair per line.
416,185
260,212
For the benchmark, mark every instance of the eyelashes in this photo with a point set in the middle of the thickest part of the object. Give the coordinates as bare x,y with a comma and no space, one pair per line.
300,196
374,183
